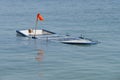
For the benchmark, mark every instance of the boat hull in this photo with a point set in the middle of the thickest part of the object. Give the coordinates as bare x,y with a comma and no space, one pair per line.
79,41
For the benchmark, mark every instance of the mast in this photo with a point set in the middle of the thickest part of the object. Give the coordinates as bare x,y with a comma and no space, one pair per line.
38,17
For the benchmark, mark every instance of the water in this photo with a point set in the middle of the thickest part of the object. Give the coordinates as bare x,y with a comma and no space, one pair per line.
95,19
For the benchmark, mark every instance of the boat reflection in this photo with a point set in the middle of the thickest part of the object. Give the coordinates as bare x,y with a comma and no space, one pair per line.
40,55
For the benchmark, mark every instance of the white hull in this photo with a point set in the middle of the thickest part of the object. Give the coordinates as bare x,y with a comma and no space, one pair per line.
78,41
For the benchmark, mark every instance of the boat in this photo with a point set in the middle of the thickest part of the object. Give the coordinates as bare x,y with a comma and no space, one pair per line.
49,35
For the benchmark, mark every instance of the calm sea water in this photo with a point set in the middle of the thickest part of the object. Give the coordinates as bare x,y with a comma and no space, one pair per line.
95,19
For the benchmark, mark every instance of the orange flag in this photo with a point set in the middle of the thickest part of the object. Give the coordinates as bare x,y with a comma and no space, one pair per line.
39,17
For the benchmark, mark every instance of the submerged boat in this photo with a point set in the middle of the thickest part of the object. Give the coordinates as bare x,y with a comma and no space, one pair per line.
49,35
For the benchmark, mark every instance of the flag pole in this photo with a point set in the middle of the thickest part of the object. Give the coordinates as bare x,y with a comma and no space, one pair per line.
38,17
36,24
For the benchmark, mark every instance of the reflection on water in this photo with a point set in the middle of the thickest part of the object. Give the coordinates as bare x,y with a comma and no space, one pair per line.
40,55
39,58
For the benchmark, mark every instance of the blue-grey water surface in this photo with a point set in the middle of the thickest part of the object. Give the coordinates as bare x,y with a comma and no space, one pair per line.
95,19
